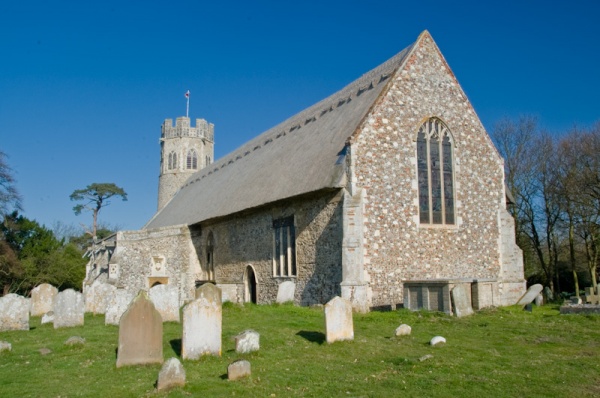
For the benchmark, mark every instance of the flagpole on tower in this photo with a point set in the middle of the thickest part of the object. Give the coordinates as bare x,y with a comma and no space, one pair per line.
187,107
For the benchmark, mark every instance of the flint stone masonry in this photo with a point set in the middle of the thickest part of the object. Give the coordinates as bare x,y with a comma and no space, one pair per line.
247,341
338,320
531,294
117,305
202,324
286,292
166,301
69,309
140,334
14,312
238,369
461,302
42,299
172,374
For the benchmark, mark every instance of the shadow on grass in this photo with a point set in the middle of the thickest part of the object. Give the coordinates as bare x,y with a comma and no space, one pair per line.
176,346
313,337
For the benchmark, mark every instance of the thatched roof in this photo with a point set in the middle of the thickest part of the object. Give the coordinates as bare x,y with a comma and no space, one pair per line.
301,155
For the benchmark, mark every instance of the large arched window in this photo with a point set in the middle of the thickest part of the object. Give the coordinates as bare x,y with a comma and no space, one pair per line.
192,160
172,163
435,173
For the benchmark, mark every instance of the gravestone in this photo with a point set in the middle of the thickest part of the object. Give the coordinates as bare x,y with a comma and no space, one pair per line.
460,301
89,296
403,330
202,324
548,294
286,292
172,374
530,294
338,320
140,333
117,305
42,299
48,317
247,341
591,297
69,308
5,346
437,340
14,312
539,300
75,340
97,297
238,369
166,301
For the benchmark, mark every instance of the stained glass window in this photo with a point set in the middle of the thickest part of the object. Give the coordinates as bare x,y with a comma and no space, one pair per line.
435,173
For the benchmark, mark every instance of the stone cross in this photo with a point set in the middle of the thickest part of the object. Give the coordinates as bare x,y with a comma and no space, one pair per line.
140,333
69,309
202,324
591,297
338,320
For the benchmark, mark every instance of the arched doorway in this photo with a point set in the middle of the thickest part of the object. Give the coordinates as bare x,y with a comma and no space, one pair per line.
250,285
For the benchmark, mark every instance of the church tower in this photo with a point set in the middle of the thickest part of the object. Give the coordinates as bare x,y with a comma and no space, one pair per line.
183,151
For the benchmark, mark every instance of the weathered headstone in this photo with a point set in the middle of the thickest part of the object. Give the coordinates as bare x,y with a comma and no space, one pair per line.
198,292
14,312
42,299
202,324
75,340
285,292
338,320
591,297
172,374
140,333
247,341
166,301
238,369
89,296
539,300
530,294
403,330
460,300
548,295
5,346
437,340
69,309
117,306
98,297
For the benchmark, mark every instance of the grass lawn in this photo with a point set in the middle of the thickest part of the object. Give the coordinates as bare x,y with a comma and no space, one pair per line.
502,352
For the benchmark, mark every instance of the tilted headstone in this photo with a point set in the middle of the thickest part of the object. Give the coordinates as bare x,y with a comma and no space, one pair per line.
202,324
172,374
285,292
42,299
69,309
539,300
14,312
338,320
460,301
166,301
247,341
140,333
530,294
238,369
117,306
403,330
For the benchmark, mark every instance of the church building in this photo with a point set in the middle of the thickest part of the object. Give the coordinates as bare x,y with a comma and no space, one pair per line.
387,192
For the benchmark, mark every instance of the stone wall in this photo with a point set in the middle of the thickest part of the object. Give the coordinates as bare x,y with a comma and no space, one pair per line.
247,239
396,246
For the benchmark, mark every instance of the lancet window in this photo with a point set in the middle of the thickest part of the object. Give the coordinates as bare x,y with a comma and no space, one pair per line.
172,161
192,160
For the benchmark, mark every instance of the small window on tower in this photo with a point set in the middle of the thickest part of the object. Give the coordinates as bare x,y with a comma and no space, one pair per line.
172,162
192,160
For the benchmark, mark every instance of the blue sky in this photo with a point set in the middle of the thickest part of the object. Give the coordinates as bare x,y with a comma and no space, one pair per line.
85,86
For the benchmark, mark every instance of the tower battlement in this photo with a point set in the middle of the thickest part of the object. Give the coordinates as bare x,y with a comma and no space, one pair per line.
183,128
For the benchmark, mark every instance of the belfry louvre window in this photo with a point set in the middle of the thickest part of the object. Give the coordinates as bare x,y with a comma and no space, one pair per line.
284,247
435,173
192,160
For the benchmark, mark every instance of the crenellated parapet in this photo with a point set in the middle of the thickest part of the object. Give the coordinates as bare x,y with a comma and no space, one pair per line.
183,128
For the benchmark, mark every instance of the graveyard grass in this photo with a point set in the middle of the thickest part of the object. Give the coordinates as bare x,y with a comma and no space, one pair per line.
496,352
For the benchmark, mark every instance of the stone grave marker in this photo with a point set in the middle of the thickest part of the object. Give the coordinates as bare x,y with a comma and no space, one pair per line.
591,297
172,374
14,312
460,300
403,330
247,341
117,305
5,346
338,320
238,369
89,295
166,301
202,324
42,299
539,300
286,292
140,333
48,317
97,297
437,340
69,308
530,294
